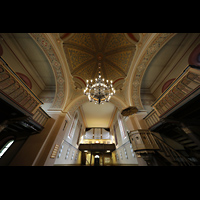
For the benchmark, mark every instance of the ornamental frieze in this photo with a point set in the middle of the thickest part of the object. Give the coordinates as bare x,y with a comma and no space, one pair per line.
150,52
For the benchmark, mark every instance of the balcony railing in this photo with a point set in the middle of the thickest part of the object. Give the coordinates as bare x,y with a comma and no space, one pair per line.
184,86
97,147
41,116
152,119
14,90
182,90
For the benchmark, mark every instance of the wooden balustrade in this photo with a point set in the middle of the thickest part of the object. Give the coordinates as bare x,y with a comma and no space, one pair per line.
152,119
182,88
41,116
142,140
14,90
145,141
171,154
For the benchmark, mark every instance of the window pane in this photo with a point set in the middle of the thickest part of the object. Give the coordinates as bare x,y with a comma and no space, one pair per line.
9,143
6,147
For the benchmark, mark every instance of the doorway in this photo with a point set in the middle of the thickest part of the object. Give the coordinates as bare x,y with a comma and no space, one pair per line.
90,158
96,160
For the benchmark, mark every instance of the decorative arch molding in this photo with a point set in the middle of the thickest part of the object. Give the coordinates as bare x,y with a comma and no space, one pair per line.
52,53
143,58
118,103
73,106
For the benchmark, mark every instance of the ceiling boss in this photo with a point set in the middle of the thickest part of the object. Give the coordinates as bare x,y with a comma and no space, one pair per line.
99,90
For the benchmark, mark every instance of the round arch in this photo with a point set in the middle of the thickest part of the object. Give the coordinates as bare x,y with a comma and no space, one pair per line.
56,58
144,55
73,106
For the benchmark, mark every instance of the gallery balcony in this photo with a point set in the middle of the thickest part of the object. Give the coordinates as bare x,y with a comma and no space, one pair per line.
16,93
183,89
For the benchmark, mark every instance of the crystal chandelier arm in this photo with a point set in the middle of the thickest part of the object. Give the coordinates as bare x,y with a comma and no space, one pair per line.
98,90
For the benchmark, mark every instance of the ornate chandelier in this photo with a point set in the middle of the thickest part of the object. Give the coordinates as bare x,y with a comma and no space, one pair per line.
100,90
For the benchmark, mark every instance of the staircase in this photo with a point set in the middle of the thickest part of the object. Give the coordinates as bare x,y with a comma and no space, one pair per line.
186,142
152,147
171,155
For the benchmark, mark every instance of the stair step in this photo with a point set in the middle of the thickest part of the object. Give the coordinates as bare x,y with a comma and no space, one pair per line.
186,141
181,138
195,148
11,129
176,136
191,145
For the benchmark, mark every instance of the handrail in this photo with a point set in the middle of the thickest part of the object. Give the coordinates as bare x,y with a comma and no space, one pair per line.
144,140
183,88
172,84
19,79
180,156
152,118
185,85
40,116
13,89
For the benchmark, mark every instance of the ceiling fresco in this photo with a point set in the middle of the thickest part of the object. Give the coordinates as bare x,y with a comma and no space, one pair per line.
84,51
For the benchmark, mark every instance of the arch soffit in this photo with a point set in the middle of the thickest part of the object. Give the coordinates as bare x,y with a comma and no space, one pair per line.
140,65
57,65
73,106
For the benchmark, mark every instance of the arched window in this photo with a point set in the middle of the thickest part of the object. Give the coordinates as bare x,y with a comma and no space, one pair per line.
121,126
5,147
73,126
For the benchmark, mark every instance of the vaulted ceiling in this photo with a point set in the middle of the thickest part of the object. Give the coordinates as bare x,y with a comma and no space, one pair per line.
25,57
139,62
84,51
169,62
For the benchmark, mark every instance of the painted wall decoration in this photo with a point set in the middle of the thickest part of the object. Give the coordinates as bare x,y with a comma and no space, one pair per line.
49,51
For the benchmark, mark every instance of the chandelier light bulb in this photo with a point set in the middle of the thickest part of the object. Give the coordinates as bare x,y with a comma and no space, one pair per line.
99,92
